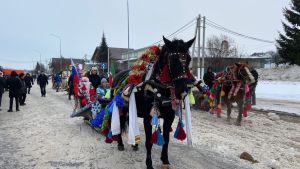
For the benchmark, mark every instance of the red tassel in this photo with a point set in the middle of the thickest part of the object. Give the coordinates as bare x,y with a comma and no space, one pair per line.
171,130
154,138
105,132
115,137
181,135
107,140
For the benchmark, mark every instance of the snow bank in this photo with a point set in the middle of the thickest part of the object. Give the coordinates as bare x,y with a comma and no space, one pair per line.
278,90
288,73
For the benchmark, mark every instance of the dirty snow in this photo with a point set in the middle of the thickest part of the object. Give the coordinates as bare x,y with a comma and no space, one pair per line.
282,73
42,136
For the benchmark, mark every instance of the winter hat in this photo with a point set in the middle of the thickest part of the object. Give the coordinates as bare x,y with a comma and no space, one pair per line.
103,80
1,73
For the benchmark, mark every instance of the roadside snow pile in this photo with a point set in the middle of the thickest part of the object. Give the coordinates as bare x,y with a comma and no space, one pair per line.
289,73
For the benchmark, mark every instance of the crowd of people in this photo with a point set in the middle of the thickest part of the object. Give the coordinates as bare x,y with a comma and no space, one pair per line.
18,87
95,79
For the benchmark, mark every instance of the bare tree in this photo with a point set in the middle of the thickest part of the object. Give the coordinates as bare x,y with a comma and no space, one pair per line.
220,47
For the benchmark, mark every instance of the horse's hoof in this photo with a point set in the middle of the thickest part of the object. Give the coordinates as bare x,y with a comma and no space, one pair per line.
166,166
121,147
135,147
150,167
219,115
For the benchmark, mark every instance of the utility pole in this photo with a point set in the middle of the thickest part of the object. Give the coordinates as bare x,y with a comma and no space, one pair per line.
194,44
203,46
58,37
108,61
128,33
199,73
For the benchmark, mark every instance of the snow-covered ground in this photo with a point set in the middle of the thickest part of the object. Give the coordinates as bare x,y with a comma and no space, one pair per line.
278,90
283,96
42,135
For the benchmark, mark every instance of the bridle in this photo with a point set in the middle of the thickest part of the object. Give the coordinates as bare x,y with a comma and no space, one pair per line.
183,61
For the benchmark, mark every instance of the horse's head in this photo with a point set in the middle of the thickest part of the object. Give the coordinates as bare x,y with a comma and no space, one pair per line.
175,54
243,73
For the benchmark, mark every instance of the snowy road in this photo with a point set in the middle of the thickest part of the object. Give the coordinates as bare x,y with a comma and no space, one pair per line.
42,136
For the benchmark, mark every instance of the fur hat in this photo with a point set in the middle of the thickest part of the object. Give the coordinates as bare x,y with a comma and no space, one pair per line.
103,80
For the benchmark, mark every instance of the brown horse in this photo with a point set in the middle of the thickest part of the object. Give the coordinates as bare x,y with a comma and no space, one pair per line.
235,84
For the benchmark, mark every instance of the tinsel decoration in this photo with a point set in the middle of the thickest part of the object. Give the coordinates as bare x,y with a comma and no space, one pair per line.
139,68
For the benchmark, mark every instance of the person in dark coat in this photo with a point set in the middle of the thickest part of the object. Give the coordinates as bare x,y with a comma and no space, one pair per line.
94,78
2,86
209,77
71,87
14,85
57,81
28,82
42,80
22,90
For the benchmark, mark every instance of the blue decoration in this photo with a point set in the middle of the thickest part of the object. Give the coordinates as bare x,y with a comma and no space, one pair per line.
99,119
109,135
182,124
154,120
110,107
176,132
119,100
160,138
96,107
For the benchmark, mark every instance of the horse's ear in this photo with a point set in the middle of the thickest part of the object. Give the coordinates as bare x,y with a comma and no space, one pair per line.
167,42
190,42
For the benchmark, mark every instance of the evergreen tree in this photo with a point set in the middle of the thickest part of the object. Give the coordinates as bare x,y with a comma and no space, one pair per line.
288,45
103,50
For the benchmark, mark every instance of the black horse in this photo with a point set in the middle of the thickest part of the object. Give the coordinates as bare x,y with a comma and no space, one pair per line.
175,56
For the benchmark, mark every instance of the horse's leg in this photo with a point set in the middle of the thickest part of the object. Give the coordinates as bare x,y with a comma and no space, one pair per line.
123,120
239,118
168,120
228,104
148,144
120,143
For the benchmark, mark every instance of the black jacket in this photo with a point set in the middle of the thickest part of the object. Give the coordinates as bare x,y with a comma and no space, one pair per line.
95,80
28,81
2,84
22,90
42,80
14,85
209,78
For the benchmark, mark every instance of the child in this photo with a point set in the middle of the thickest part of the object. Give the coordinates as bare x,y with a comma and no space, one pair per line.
102,89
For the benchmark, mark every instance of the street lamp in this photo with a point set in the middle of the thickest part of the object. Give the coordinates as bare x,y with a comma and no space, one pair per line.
58,37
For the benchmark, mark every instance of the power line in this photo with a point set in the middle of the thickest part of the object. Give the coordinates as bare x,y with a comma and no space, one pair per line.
219,27
181,29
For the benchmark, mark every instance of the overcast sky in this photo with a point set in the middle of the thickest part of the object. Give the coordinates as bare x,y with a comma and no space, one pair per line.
26,25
